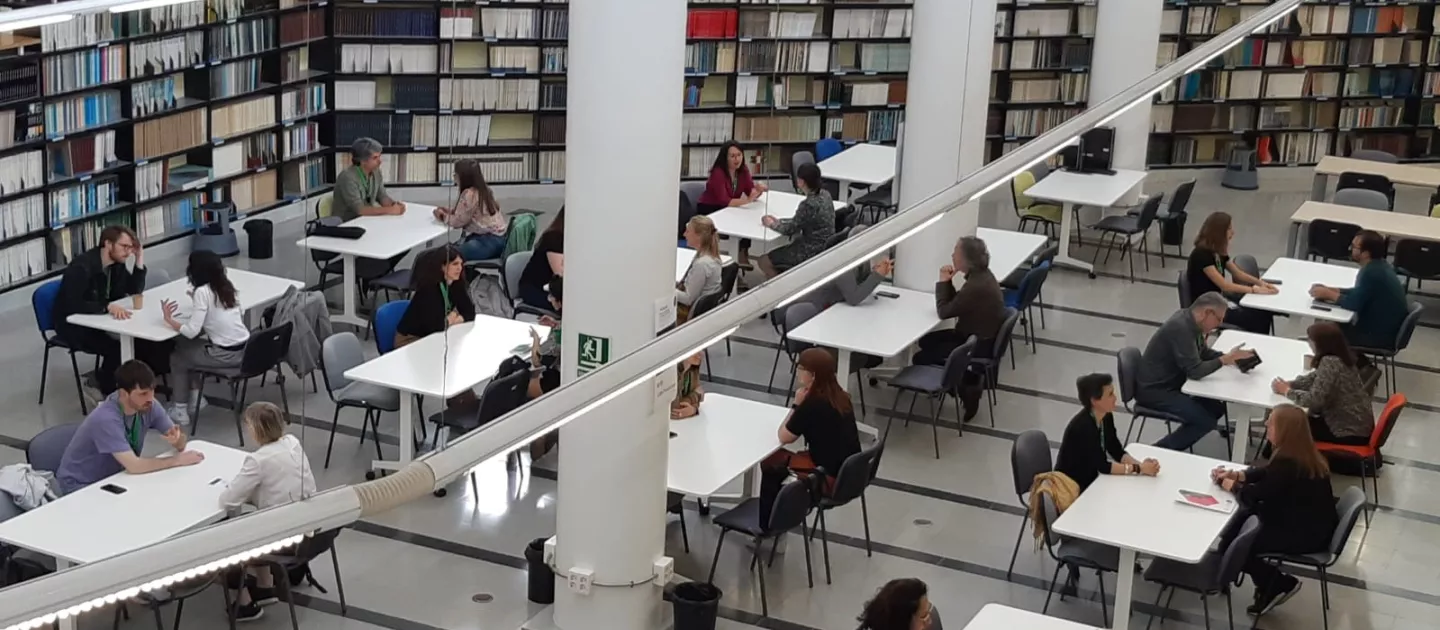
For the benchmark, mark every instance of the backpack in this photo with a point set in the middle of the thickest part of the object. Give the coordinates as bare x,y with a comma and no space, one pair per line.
519,236
489,297
308,549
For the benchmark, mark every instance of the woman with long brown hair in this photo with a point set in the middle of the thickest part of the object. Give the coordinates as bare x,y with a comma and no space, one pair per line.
1292,496
902,604
1333,391
824,416
1208,264
476,213
547,261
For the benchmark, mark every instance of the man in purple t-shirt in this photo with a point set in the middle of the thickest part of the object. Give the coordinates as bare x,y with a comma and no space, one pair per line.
110,438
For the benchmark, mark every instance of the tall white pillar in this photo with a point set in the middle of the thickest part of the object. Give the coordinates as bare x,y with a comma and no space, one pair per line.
1127,39
623,137
951,42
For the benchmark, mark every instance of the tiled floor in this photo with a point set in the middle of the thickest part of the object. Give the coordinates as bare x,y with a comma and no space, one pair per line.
951,522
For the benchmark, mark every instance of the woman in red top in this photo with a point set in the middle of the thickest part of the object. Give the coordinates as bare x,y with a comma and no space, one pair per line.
730,183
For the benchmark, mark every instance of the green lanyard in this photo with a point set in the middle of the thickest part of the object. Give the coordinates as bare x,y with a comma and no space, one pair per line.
133,432
445,294
687,385
364,182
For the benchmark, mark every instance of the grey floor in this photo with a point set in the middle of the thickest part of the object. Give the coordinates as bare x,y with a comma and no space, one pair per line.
951,522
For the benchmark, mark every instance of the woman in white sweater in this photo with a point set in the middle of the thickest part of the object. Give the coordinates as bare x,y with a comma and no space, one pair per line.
212,335
278,472
703,277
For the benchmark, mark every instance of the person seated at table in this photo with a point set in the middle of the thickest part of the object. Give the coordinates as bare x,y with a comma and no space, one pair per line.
809,230
545,356
902,604
1333,392
1091,445
688,392
1210,260
824,416
1177,352
853,286
1292,496
1378,299
730,183
92,281
978,309
476,213
360,189
111,437
547,262
278,472
703,276
212,337
439,298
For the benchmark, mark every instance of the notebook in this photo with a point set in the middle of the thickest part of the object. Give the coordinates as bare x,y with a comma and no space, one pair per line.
1221,504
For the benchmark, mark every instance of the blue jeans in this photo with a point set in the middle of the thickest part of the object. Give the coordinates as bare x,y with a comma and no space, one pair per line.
482,247
1198,416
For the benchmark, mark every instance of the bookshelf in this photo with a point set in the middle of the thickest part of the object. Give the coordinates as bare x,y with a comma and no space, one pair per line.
440,81
138,118
1040,69
1331,78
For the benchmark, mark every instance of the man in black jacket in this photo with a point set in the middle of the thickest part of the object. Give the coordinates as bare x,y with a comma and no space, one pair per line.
91,283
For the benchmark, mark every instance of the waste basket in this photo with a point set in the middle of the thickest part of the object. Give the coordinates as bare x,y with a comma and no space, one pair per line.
262,238
697,604
541,578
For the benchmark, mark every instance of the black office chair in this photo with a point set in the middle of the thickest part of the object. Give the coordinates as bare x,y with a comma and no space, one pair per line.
1182,286
936,382
1385,355
675,504
1367,181
1171,220
990,363
176,594
853,480
293,563
1330,239
1417,260
1128,366
325,261
791,317
265,351
1215,574
704,305
1026,296
1077,554
1029,456
1348,508
1126,227
502,395
792,507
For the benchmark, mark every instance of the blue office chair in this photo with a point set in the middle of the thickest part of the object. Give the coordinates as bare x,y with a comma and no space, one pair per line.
827,148
386,320
43,303
44,451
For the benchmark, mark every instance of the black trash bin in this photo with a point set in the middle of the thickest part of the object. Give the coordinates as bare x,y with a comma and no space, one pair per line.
262,238
542,580
697,604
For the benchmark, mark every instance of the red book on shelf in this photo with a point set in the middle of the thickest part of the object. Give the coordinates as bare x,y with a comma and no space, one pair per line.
732,20
691,22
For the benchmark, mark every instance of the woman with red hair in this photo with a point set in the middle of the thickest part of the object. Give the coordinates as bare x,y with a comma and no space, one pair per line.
823,415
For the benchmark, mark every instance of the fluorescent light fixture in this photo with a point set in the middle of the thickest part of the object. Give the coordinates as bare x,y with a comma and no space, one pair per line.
1207,60
1111,118
146,4
866,258
1272,21
34,22
998,183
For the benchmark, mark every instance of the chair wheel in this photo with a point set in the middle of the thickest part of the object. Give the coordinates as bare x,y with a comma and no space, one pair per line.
874,382
704,508
1092,275
441,493
369,475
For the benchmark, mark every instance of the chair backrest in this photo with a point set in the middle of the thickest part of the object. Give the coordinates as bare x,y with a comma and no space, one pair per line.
1375,156
693,191
266,349
1362,198
791,507
706,303
1007,329
1031,284
515,266
502,395
155,278
685,213
837,238
338,354
1352,500
728,275
1248,264
1182,286
1022,182
795,315
827,148
42,301
1148,211
1181,200
1331,239
1029,456
1418,258
1236,553
322,207
1386,422
331,221
386,320
798,159
1127,363
1049,514
1407,327
47,448
854,476
1377,183
1046,255
955,364
1039,170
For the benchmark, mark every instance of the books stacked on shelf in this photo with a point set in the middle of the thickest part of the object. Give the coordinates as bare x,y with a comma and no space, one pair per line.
255,191
390,22
303,177
388,58
73,114
1040,70
180,215
496,167
171,134
303,102
490,94
82,200
81,30
81,156
22,217
403,168
238,118
551,166
72,240
20,172
17,83
69,72
21,125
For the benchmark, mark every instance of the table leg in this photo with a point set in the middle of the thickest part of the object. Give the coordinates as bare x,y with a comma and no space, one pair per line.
348,315
842,367
406,435
1240,437
1067,225
1124,589
69,622
1292,241
127,348
1320,186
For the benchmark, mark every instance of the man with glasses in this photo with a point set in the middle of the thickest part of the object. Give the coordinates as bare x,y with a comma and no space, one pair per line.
1378,299
1176,353
92,282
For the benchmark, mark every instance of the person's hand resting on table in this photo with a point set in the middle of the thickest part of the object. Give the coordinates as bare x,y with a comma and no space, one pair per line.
118,312
1235,354
1280,386
1227,478
1322,292
683,410
769,221
1150,467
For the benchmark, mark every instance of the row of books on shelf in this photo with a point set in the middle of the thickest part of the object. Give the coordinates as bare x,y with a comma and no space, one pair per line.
1326,19
1204,20
18,126
250,153
22,216
302,102
148,98
21,171
236,78
1043,54
169,54
300,140
389,58
81,200
72,71
22,261
387,22
1046,22
81,30
301,27
781,24
255,191
176,132
497,58
867,23
175,216
241,38
81,155
710,128
788,128
295,64
66,244
1068,88
302,178
492,94
1022,123
18,83
86,29
528,23
240,117
72,114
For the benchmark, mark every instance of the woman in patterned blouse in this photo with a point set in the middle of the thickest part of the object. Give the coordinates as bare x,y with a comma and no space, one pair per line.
1333,392
476,213
812,227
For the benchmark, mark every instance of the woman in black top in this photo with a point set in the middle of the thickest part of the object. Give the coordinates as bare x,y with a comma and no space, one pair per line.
824,416
1209,261
902,604
547,261
1091,446
1292,496
439,299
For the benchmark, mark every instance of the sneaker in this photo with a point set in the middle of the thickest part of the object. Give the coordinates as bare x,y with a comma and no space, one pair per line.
249,612
178,414
91,390
263,596
1267,601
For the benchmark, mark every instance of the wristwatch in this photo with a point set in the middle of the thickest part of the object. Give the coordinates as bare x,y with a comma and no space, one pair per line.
1134,469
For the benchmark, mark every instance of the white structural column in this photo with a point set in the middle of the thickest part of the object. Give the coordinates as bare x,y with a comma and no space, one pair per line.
623,137
1127,40
951,42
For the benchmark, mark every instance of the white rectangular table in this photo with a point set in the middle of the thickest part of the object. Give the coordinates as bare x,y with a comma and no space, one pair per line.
727,439
1002,617
385,237
443,365
1082,189
1009,249
1406,174
864,164
743,222
148,322
1140,515
1280,358
1393,224
1297,276
684,256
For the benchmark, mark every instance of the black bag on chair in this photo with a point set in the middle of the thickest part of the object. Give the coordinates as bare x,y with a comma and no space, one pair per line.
316,228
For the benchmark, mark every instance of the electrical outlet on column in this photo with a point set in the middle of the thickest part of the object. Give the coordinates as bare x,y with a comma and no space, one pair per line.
581,580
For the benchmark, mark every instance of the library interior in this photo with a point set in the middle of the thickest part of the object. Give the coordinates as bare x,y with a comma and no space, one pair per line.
361,207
